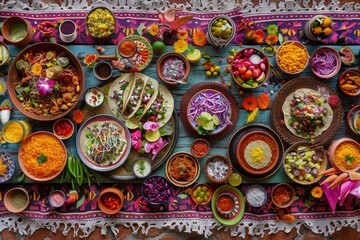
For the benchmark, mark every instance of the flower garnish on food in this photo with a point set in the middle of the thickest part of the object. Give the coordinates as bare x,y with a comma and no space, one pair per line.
78,116
155,147
136,140
333,101
45,85
307,113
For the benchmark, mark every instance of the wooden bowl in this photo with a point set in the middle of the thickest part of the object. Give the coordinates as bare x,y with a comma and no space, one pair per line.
87,27
178,159
14,77
338,62
353,119
257,136
298,44
210,174
323,163
289,189
167,56
6,29
332,151
344,78
192,190
103,206
22,160
11,205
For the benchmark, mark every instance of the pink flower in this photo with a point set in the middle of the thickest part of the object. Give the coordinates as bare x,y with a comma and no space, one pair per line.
151,126
136,140
45,85
155,147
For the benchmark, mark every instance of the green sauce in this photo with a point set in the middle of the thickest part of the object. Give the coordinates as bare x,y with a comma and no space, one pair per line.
18,199
18,32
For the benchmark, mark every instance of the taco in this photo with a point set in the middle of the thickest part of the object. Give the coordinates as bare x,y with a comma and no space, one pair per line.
161,109
119,92
147,98
306,113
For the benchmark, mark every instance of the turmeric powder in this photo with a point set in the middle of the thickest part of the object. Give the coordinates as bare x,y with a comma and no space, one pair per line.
14,132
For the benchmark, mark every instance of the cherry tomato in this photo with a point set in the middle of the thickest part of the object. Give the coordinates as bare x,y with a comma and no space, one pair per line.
248,74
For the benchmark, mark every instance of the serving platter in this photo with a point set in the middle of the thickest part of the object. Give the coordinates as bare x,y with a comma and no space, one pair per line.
232,150
125,172
7,160
289,88
225,94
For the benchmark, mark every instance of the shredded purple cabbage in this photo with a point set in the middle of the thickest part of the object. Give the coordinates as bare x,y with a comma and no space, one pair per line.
211,102
324,62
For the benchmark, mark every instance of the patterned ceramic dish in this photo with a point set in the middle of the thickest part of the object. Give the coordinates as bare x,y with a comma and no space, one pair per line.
7,166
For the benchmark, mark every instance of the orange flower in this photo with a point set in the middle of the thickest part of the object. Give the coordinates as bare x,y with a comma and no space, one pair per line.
263,101
199,37
249,103
182,34
153,29
300,191
271,39
288,218
317,192
78,116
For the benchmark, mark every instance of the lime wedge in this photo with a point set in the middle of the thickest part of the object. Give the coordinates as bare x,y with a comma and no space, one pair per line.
215,119
130,125
152,136
201,120
209,126
235,179
194,56
206,115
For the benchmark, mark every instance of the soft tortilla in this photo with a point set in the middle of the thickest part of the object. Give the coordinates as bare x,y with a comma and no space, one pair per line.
302,92
265,148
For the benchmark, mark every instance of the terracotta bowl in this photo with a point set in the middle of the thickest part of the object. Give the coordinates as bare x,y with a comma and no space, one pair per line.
338,62
22,160
237,66
209,174
167,56
14,77
87,27
59,134
102,205
46,27
254,136
288,203
176,159
7,27
194,189
298,44
200,141
293,148
344,79
8,202
332,150
353,119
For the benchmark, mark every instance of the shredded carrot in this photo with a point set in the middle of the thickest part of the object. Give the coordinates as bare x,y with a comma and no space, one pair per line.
263,101
249,103
292,57
347,150
43,144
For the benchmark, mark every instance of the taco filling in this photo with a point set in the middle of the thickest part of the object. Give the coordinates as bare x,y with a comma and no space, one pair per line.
133,101
146,98
118,96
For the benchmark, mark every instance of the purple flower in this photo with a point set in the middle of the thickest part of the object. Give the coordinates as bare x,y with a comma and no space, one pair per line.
136,140
151,126
45,85
155,147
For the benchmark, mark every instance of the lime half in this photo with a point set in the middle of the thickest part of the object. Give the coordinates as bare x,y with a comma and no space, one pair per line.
235,179
131,125
209,126
206,115
194,56
201,120
215,119
152,136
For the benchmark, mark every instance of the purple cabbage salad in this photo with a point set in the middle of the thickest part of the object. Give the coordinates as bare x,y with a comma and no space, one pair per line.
324,62
156,189
212,102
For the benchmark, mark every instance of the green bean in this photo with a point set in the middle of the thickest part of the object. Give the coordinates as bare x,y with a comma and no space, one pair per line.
81,172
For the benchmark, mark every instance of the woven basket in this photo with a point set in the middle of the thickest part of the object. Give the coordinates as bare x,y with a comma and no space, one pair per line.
226,160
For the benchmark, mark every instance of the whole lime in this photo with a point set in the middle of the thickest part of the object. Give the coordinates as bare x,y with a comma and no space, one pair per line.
158,47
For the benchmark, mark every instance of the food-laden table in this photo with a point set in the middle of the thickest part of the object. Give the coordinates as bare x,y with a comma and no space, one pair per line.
180,212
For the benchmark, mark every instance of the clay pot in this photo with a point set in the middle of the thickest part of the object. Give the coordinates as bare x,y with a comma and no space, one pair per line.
338,62
9,22
174,55
351,72
8,201
103,207
292,195
332,149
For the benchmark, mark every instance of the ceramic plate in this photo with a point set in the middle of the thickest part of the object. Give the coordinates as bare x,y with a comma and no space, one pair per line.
237,214
142,57
232,146
7,160
87,129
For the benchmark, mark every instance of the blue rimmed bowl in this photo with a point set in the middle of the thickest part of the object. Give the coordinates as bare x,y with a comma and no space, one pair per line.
7,160
85,149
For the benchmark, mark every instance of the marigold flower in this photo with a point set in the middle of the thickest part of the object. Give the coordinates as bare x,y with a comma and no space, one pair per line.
317,192
199,37
36,69
182,33
153,29
78,116
180,46
288,218
271,39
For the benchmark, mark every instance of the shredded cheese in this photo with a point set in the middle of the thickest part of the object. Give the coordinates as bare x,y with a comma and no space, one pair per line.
292,57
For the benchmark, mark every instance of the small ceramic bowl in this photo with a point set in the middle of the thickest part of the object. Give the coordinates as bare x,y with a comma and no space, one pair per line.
221,38
283,66
256,195
109,18
46,27
16,199
8,161
206,189
218,174
22,30
68,31
323,52
247,74
349,82
127,48
174,167
353,119
200,147
94,97
57,198
106,194
156,190
332,153
142,167
164,65
225,196
283,190
103,70
63,128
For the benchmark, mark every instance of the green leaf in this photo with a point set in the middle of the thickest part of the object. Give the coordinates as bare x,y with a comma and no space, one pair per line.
190,48
21,177
80,201
53,39
140,29
182,196
349,159
308,203
206,56
41,159
166,130
296,198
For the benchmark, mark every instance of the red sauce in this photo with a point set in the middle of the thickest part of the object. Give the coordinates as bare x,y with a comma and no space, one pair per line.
127,48
63,128
282,195
225,203
200,148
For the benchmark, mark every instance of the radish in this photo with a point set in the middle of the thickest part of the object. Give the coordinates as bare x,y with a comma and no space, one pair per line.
5,111
255,59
